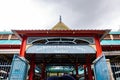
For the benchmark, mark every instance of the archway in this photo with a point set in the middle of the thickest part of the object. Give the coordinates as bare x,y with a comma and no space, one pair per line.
60,48
61,53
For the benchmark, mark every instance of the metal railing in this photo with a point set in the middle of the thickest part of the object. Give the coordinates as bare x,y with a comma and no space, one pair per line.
4,70
116,70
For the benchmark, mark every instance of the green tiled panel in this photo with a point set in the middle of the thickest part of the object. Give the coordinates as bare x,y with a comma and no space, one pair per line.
6,32
103,42
114,32
10,42
110,42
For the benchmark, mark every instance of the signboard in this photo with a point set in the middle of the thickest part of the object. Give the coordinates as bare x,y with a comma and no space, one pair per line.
69,49
19,69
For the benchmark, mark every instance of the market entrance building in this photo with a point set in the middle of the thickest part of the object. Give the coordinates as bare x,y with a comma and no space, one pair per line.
62,46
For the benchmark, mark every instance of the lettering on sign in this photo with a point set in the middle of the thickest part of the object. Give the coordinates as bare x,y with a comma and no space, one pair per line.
60,49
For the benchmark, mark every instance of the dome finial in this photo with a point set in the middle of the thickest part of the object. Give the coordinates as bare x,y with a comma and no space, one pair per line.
60,19
60,25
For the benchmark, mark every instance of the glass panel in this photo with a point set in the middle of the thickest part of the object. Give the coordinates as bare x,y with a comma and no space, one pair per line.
40,42
66,39
60,43
81,42
54,39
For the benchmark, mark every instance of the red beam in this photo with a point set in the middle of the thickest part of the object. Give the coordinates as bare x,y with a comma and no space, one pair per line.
110,47
9,46
61,35
60,31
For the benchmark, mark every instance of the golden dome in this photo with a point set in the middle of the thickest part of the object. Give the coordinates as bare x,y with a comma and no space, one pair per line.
60,26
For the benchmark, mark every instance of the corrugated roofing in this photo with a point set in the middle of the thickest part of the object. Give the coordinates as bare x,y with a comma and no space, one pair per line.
13,42
61,31
110,42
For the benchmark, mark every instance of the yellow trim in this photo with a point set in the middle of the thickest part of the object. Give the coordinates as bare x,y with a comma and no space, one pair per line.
93,46
27,46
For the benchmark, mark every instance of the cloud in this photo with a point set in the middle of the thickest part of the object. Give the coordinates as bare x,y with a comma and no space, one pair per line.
88,13
43,14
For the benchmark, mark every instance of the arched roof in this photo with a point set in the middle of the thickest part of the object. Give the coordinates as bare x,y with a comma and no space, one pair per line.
60,26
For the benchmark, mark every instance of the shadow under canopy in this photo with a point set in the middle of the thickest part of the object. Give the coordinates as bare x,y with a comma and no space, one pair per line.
65,77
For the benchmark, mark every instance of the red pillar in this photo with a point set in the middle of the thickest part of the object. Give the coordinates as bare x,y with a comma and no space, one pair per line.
85,75
88,64
98,47
23,47
43,71
89,71
76,66
32,67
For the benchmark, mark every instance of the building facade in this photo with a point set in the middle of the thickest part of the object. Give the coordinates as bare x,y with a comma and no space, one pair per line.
60,51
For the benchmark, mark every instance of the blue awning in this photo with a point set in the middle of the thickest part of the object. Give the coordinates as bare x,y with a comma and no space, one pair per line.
67,49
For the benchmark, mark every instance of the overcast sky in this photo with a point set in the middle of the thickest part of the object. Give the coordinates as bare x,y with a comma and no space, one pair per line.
44,14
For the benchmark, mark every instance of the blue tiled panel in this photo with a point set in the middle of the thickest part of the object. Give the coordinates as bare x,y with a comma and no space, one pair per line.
10,42
110,42
6,32
114,32
103,42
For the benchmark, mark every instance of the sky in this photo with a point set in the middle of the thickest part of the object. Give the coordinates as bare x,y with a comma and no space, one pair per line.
44,14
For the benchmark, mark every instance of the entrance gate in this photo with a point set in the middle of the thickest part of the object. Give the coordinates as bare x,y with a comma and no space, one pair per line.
62,51
60,47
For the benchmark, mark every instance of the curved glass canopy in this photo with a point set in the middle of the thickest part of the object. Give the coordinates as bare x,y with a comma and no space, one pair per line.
61,41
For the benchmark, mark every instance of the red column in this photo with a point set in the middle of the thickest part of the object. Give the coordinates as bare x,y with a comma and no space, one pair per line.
89,71
98,47
76,66
85,72
88,64
23,47
32,67
43,71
